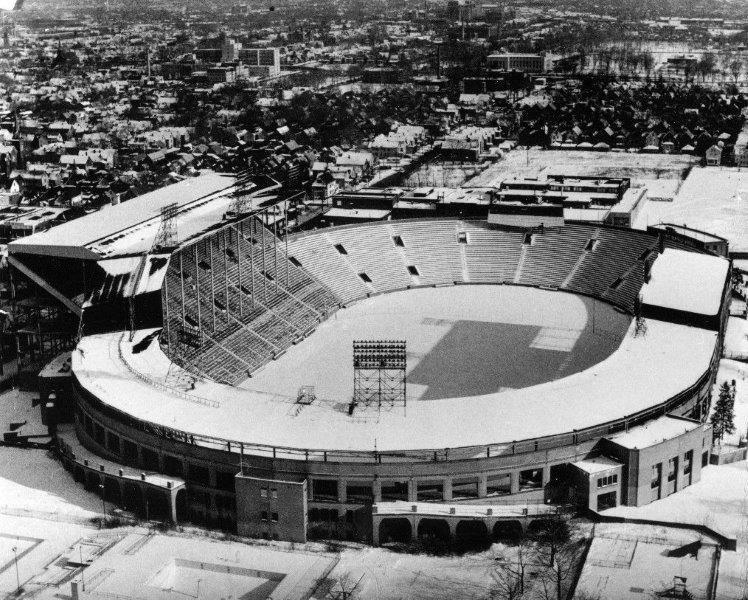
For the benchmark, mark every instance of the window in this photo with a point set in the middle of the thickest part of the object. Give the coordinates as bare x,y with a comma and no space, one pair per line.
274,517
530,479
398,241
607,480
498,485
294,261
462,237
263,492
365,277
324,490
672,469
264,515
219,305
267,275
130,451
341,249
616,284
656,474
274,493
191,320
591,245
359,493
413,270
465,488
204,265
527,241
705,458
394,490
688,462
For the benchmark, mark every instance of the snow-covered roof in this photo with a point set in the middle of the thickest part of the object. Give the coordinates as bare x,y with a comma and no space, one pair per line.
655,432
686,281
597,465
644,372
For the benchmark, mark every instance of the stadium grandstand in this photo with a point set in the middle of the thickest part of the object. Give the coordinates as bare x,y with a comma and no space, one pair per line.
532,352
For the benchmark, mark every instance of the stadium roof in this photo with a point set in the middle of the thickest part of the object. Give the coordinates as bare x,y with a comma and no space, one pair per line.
644,372
131,227
686,281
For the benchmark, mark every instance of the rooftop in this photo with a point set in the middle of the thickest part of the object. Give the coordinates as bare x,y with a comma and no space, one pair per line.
132,226
686,281
655,432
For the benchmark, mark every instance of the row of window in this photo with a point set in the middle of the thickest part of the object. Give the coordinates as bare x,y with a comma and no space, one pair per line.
607,480
271,516
271,493
672,469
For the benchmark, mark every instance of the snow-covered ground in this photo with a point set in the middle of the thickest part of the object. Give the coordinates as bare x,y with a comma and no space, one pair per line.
632,561
720,501
710,199
736,337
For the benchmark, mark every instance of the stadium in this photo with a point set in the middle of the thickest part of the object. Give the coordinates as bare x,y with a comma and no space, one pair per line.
215,377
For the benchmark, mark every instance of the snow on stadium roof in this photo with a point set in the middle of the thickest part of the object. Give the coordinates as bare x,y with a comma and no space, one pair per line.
655,432
131,227
686,281
644,372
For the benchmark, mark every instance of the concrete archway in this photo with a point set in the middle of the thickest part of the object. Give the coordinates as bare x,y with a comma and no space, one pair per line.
157,504
92,482
507,531
132,499
472,535
395,530
112,491
435,529
181,502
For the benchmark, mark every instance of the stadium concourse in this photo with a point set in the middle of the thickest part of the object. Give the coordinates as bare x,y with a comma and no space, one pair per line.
535,357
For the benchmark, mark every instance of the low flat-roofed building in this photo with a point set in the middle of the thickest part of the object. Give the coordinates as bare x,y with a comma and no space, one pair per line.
695,238
643,464
624,213
511,61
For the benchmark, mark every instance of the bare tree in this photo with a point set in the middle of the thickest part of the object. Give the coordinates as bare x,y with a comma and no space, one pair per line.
509,576
736,67
556,579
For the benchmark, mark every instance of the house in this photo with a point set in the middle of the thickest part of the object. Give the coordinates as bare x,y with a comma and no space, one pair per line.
714,156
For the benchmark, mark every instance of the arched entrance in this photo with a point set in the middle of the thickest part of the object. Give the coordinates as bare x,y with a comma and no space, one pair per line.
434,529
112,492
508,532
472,535
181,500
132,499
397,530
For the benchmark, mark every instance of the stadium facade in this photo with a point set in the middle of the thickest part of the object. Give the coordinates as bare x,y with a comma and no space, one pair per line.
154,388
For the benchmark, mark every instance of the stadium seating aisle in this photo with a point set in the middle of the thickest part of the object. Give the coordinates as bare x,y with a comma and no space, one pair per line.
431,250
492,255
552,255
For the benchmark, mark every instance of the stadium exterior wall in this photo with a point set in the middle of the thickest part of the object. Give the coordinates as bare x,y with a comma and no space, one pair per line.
209,465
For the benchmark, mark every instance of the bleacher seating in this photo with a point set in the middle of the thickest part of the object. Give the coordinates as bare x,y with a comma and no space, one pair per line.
250,302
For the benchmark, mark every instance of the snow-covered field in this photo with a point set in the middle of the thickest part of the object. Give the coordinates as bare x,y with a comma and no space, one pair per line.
711,199
720,501
533,162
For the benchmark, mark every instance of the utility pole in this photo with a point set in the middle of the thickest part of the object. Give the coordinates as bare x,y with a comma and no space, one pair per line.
15,561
